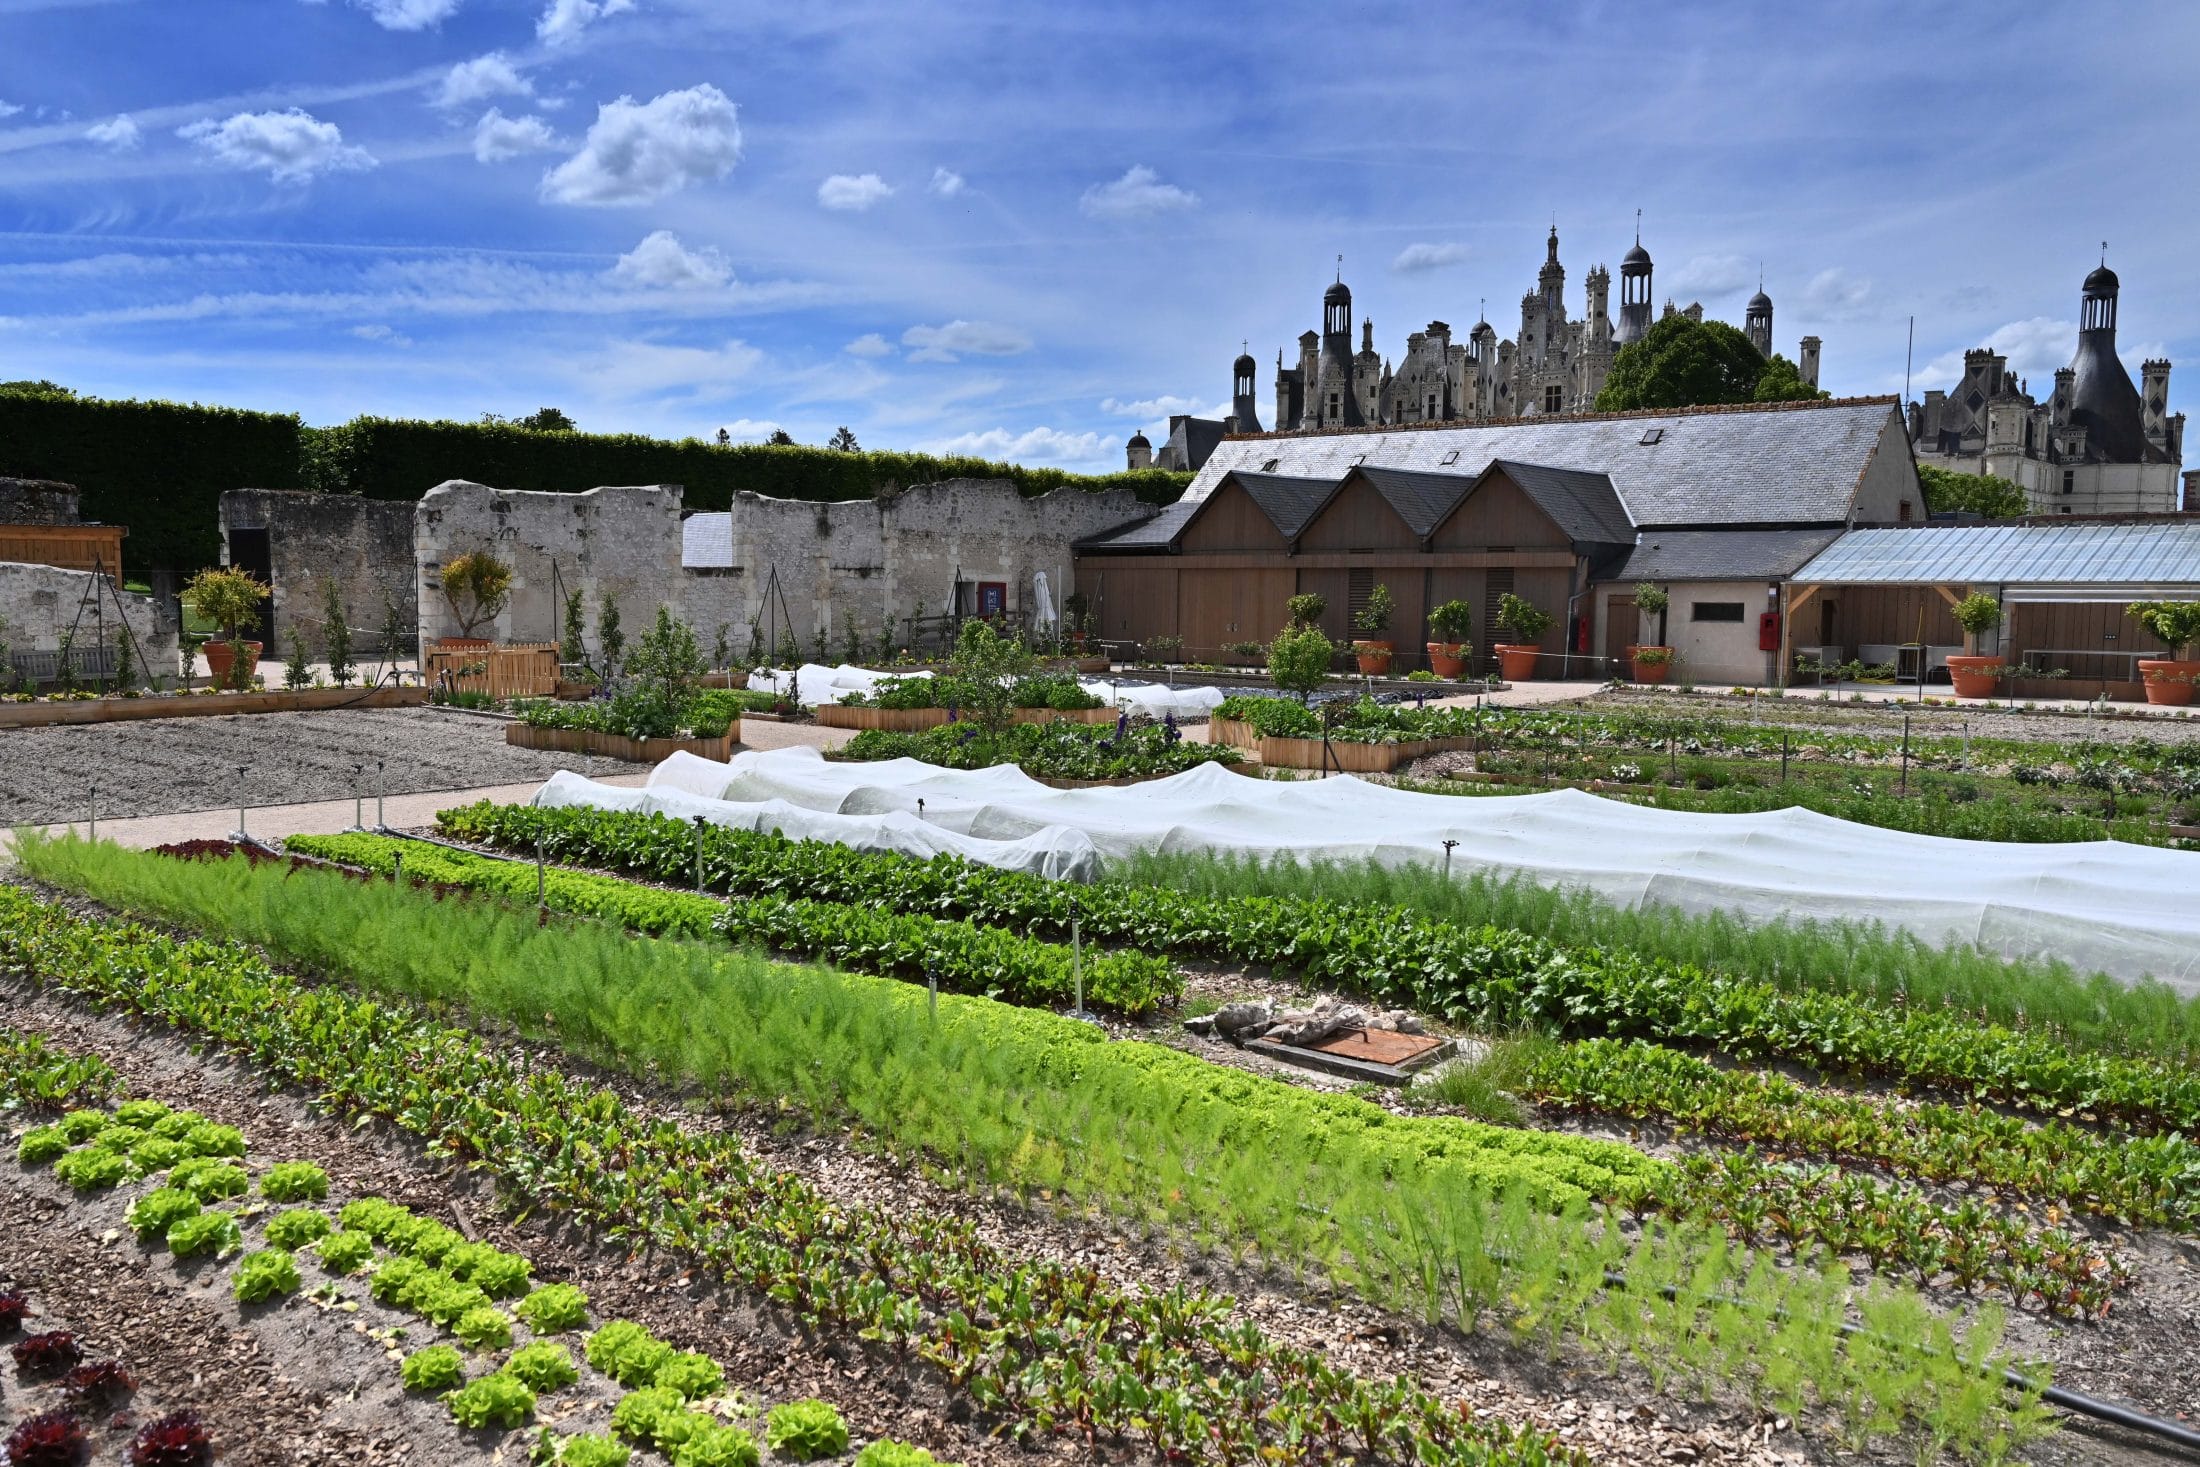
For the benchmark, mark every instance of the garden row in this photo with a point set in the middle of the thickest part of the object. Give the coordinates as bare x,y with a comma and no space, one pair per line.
201,1205
2017,1255
1486,977
1041,1347
1067,751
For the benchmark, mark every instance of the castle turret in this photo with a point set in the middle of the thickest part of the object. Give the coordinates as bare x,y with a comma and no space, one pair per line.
1139,453
1242,407
1634,293
2154,398
1598,283
1757,322
1550,281
1806,361
2103,401
1335,403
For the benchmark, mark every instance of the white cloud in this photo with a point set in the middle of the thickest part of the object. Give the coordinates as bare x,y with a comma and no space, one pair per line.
640,151
2034,347
409,15
497,137
564,20
7,108
1149,407
946,182
1835,291
292,146
1137,194
661,262
1415,259
749,430
1038,445
119,133
636,368
855,192
382,334
957,338
870,344
483,77
1711,275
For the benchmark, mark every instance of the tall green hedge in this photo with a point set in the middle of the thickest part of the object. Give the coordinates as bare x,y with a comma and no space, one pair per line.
386,458
159,468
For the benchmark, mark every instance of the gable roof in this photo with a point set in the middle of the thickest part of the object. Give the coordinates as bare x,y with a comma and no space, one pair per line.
1154,532
1288,501
1723,555
1585,505
1422,500
1771,463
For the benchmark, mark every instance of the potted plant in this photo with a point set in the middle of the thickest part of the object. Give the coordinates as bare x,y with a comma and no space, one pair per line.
1973,674
230,598
1450,624
1651,601
1374,652
2169,681
1528,622
1076,618
477,585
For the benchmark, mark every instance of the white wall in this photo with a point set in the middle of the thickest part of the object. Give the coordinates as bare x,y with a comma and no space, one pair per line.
1718,653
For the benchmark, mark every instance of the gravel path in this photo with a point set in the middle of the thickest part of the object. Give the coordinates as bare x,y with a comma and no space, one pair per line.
175,764
1804,709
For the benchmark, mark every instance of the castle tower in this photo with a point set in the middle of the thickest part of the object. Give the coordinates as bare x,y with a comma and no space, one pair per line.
1634,293
1757,322
1598,283
1242,407
1139,453
1550,281
1335,402
2103,401
2154,398
1806,362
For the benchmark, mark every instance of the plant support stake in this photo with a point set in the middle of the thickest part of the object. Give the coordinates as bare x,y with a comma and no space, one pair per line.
540,900
1447,858
381,784
358,797
699,855
91,824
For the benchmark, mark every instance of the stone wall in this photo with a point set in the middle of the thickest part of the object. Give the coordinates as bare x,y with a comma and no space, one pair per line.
364,545
41,604
623,542
37,502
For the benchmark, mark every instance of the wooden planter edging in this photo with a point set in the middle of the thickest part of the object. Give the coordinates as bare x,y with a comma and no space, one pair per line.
1058,715
1352,758
893,720
200,705
619,746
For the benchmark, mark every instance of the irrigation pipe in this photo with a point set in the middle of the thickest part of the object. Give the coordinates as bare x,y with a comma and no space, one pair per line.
2076,1402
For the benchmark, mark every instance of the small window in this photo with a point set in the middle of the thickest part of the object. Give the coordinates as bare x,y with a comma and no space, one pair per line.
1451,457
1651,435
1715,611
1270,466
1554,399
1332,404
2070,481
1902,511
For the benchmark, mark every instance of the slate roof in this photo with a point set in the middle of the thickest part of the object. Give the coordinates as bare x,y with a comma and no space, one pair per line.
1781,463
1585,505
1197,439
2094,554
1157,532
1288,502
1422,500
1723,555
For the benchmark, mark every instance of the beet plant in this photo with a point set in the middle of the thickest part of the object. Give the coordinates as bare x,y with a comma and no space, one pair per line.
152,1215
493,1400
300,1227
553,1309
294,1181
545,1365
49,1439
205,1234
178,1439
435,1368
806,1430
268,1274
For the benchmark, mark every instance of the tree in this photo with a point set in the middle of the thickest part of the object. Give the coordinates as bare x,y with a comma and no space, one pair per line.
476,585
781,438
39,388
1987,494
336,634
842,441
546,420
664,672
1683,363
1782,381
985,664
1299,658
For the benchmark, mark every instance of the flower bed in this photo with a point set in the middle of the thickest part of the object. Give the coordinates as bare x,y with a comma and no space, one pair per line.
890,720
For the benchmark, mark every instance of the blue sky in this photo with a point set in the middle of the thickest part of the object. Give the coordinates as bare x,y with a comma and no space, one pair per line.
1027,229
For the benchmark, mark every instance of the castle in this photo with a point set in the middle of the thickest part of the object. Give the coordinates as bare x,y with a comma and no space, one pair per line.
2098,445
1555,365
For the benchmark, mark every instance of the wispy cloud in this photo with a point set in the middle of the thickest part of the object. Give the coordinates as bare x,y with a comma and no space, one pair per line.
382,334
564,20
1709,275
1138,194
119,133
1419,259
870,345
638,152
963,338
409,15
946,182
853,192
484,77
1033,445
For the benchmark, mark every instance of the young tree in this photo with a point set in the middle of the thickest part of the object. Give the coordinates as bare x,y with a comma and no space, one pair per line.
1986,494
298,669
573,639
477,587
842,441
545,420
610,637
1299,658
664,672
986,664
230,598
336,634
395,634
1682,363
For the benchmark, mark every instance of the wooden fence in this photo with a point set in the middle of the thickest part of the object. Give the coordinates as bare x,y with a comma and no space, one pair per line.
509,670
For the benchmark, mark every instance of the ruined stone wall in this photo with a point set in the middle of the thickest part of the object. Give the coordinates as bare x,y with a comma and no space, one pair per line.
618,541
37,502
41,604
364,545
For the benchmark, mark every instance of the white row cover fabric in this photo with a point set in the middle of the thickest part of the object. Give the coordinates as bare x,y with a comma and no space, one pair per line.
2122,909
821,684
1057,854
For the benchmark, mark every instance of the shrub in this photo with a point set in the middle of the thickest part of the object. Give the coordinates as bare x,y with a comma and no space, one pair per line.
2176,624
1375,612
345,1252
1523,618
294,1181
1451,623
435,1368
1299,658
1305,609
806,1430
268,1274
553,1309
213,1233
229,597
493,1400
152,1215
545,1365
301,1227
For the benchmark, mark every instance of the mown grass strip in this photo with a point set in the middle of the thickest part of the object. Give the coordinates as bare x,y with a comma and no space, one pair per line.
1482,976
962,957
1403,1214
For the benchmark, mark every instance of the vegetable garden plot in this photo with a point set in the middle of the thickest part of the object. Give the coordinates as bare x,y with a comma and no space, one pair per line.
820,684
2121,909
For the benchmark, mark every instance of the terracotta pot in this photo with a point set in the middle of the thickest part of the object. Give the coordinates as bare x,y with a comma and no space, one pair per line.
1649,672
1515,663
1968,676
220,657
2169,683
1374,656
1449,659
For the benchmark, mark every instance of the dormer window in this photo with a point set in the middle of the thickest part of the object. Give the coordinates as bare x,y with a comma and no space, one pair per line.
1651,435
1270,466
1451,458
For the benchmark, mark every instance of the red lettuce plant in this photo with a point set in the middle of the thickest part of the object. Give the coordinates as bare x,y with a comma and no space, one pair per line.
175,1440
51,1439
14,1304
99,1386
47,1354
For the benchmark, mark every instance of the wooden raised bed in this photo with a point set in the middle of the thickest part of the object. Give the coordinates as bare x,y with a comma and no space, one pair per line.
1236,732
1056,715
200,705
1352,758
619,746
893,720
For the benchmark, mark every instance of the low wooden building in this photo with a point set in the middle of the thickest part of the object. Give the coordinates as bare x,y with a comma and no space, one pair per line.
1554,510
